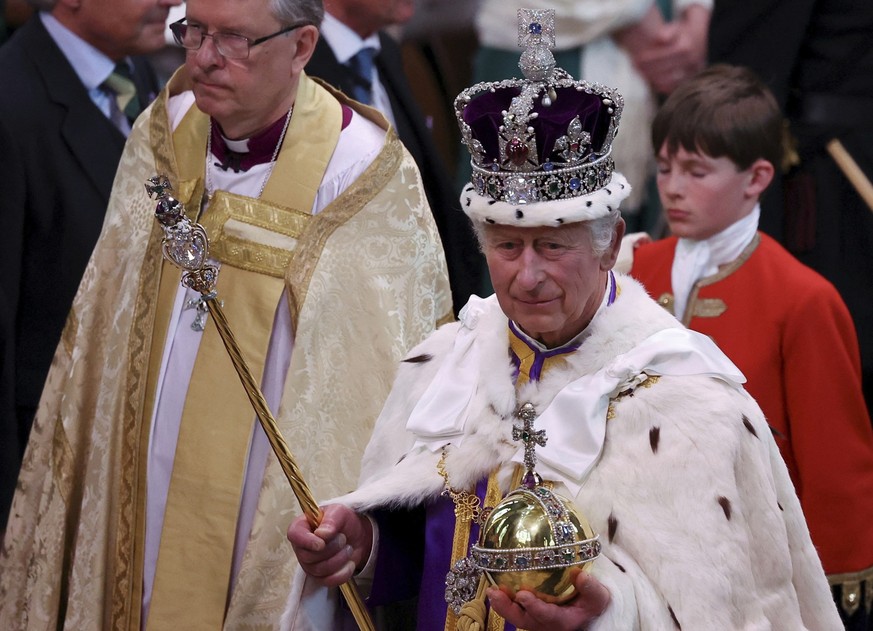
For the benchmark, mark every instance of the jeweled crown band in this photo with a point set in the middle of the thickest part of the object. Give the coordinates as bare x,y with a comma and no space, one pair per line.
537,186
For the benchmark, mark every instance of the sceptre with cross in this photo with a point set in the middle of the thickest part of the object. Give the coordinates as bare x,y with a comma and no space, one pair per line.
186,245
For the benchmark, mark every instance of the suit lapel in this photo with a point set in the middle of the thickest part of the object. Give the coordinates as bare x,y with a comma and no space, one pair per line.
389,65
324,65
93,140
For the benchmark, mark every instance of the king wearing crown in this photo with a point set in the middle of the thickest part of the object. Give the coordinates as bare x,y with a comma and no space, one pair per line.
565,456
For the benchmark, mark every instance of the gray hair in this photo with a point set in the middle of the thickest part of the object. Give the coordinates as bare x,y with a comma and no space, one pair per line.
601,230
291,11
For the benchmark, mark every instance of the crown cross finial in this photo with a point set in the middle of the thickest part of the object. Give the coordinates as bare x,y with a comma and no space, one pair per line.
531,438
536,34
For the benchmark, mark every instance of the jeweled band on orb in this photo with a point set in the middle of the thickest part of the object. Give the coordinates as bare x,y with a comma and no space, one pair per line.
545,558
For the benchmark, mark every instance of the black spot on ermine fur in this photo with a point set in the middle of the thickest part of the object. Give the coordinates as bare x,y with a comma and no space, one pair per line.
673,615
613,526
654,438
749,426
725,506
419,359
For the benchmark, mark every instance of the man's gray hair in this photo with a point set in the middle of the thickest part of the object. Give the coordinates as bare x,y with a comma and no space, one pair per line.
602,231
291,11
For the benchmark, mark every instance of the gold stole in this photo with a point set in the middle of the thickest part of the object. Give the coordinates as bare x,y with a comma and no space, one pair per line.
526,356
253,239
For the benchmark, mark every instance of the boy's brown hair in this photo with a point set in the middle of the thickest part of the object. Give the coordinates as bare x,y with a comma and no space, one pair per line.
724,111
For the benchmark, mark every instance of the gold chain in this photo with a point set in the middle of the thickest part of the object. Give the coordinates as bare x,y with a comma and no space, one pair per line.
467,505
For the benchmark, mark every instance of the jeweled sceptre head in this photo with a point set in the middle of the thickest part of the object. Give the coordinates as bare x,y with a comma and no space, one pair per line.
185,243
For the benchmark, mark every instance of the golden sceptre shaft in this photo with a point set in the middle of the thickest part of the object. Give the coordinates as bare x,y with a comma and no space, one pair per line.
186,245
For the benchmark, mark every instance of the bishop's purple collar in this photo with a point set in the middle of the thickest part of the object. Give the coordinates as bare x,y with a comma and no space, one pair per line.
242,155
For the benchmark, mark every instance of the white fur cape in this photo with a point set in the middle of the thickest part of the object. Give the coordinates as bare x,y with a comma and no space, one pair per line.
700,525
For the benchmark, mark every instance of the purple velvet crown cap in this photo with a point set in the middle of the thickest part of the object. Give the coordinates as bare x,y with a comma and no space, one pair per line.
484,115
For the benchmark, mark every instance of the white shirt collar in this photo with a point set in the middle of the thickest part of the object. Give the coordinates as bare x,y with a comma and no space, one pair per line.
344,42
91,65
698,259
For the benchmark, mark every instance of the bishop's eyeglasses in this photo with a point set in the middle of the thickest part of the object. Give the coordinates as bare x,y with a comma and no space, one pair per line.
230,45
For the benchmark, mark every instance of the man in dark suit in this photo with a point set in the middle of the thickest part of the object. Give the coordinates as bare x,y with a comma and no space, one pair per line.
351,26
62,130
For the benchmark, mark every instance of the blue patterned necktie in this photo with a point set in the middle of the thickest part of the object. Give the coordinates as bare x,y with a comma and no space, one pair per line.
361,64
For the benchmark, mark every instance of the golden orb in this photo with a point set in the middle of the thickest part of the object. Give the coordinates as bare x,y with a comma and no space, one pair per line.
538,541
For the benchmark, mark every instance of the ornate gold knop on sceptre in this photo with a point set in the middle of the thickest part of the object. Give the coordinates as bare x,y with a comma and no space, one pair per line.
186,245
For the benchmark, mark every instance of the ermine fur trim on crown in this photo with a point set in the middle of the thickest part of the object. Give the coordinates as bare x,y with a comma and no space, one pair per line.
547,213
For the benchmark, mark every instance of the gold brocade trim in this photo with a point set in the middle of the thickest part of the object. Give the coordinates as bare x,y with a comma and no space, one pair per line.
709,308
62,461
337,213
160,134
126,579
648,382
68,335
702,308
466,512
856,587
721,274
130,529
248,254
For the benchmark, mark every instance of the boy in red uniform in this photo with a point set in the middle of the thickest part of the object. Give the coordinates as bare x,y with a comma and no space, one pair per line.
718,141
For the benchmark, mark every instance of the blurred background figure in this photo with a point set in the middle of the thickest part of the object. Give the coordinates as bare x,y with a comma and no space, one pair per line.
820,67
13,13
168,59
356,55
74,91
438,44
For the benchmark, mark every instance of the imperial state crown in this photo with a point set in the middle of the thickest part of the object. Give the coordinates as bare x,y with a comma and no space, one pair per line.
540,146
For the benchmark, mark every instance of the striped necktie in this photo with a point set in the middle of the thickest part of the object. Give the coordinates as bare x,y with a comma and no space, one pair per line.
361,65
121,84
